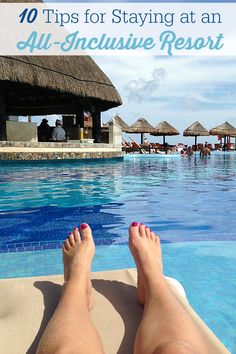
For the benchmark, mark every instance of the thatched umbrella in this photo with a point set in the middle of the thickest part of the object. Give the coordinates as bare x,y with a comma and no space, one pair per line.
141,126
118,121
196,129
225,130
164,129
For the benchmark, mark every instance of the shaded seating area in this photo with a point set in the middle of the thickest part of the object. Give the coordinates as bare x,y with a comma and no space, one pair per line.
141,126
133,146
151,148
61,85
224,132
196,129
164,129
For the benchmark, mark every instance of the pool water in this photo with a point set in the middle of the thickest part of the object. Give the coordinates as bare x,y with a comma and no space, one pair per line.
188,202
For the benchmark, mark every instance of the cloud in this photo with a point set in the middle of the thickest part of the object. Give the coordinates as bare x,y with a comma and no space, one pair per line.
139,89
194,104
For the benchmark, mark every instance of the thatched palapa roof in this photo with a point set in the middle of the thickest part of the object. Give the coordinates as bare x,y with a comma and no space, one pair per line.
118,121
54,84
224,129
196,129
164,128
141,126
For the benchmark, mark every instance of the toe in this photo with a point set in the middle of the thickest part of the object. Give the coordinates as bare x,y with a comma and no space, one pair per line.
142,230
152,236
147,231
134,229
71,239
157,239
86,232
67,245
76,233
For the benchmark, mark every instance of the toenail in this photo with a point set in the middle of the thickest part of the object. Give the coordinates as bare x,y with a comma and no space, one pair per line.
146,227
141,223
76,228
135,223
83,226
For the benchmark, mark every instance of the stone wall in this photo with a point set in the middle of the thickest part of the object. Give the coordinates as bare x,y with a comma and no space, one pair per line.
57,151
21,131
56,144
58,155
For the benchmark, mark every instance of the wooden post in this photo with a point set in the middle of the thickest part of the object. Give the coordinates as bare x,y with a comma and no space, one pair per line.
96,116
3,117
195,142
142,138
80,123
80,118
224,148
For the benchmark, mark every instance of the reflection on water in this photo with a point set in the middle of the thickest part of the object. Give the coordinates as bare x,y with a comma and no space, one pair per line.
181,198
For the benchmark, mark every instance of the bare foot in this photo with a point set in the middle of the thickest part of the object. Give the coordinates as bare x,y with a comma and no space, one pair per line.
146,250
78,252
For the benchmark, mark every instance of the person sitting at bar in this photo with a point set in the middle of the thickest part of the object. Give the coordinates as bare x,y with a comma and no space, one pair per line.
58,133
44,131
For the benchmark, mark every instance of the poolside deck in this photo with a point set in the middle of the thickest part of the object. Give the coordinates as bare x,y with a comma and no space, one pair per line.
57,151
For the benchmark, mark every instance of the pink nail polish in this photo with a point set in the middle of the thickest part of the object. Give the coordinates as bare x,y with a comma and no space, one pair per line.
146,227
141,223
76,228
83,226
135,223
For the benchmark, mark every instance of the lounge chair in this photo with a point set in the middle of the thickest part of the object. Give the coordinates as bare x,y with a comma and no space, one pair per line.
138,146
218,147
27,304
230,146
127,147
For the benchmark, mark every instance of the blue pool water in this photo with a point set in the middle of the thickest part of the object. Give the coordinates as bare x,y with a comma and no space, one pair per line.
190,203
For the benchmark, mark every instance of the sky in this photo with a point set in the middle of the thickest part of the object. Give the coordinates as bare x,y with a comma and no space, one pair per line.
179,90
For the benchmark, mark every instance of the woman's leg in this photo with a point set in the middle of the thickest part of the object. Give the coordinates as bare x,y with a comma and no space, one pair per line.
70,330
166,326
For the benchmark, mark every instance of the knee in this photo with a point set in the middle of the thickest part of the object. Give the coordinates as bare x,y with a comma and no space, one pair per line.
175,347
